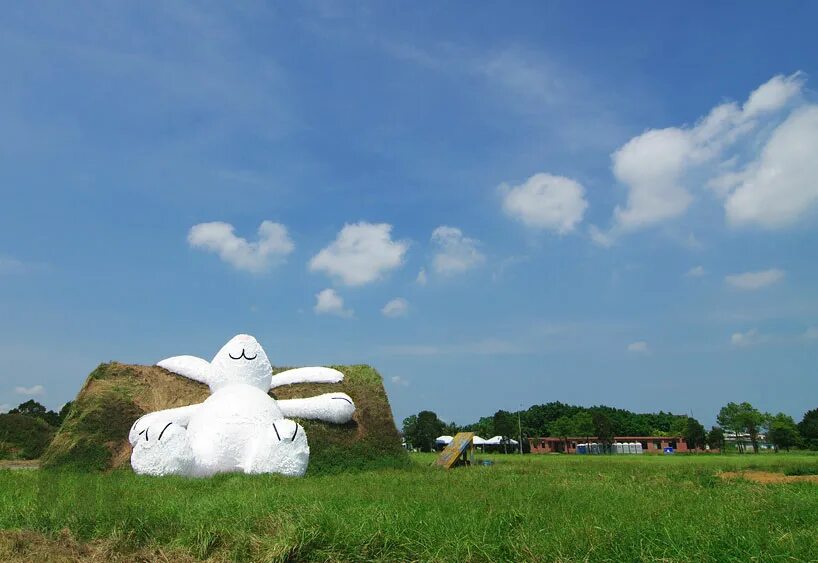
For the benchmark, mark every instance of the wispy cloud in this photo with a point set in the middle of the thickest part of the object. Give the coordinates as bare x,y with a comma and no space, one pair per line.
455,252
639,347
422,278
11,266
747,339
525,82
398,380
397,307
696,272
33,391
751,281
487,347
328,302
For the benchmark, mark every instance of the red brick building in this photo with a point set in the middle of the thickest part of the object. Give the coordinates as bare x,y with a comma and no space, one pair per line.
650,444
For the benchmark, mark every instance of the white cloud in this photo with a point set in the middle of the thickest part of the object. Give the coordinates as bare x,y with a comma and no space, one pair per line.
639,347
328,302
396,308
544,201
755,280
12,266
600,237
398,380
746,339
774,94
653,165
780,188
456,253
34,391
506,265
272,247
361,253
422,278
811,333
691,242
696,272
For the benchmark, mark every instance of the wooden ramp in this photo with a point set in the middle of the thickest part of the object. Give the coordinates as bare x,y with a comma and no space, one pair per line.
461,446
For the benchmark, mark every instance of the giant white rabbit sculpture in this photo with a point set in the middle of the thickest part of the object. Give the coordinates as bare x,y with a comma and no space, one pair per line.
239,427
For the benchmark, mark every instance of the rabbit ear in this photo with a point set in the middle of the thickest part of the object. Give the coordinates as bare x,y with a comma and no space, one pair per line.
306,375
191,367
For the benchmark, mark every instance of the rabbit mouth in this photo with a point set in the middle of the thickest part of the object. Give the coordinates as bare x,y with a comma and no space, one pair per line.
242,355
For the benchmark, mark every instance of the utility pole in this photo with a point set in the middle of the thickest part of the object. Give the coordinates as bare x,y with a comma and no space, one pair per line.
520,429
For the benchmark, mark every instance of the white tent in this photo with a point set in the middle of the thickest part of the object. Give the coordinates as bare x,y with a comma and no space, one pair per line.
478,441
444,440
498,440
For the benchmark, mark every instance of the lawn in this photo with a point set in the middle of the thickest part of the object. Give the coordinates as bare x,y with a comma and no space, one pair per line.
563,508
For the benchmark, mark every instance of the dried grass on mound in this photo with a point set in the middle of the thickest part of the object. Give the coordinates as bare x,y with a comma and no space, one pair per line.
768,477
20,464
26,546
94,435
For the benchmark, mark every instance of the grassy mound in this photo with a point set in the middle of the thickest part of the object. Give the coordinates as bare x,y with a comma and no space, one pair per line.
94,436
23,437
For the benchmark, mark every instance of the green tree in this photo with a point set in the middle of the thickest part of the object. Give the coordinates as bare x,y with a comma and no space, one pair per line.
505,425
694,433
563,427
409,428
30,408
729,418
603,428
783,432
678,426
33,409
23,436
752,420
421,430
808,429
715,438
66,408
483,427
583,424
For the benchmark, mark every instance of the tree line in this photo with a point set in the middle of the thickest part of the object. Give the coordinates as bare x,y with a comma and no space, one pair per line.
26,430
556,419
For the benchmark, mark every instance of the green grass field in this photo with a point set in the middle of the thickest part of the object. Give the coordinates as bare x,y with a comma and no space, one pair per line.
543,508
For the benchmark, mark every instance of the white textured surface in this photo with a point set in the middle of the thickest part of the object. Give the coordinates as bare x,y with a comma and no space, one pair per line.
306,375
191,367
281,448
330,407
251,368
163,450
239,427
180,416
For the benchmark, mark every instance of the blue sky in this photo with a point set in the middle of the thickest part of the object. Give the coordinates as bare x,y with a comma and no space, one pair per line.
493,207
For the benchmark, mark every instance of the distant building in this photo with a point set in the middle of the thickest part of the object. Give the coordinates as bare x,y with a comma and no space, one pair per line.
744,439
650,444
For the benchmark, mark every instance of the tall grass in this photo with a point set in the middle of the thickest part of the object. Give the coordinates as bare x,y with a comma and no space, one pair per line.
567,508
